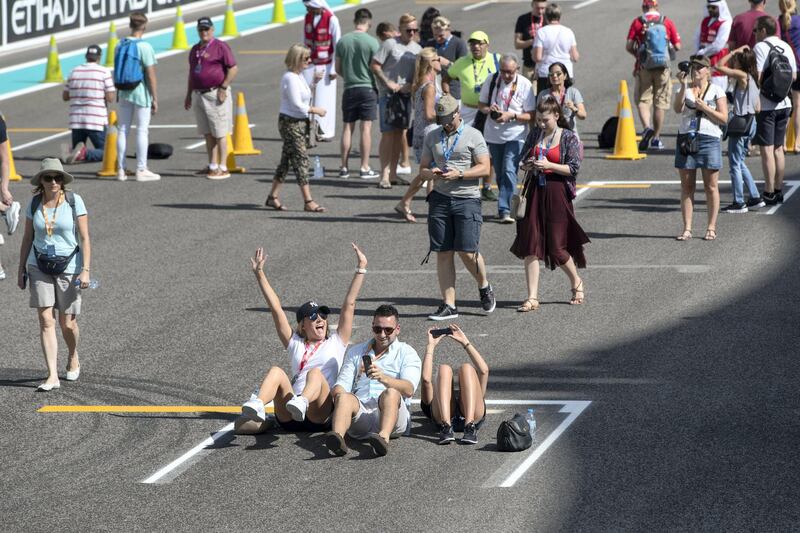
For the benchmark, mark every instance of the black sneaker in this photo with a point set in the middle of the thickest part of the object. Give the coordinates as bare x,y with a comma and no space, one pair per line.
446,435
770,198
735,208
755,203
487,299
470,434
779,195
444,312
647,136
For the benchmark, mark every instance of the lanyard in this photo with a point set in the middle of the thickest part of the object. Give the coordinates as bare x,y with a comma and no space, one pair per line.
200,53
309,354
543,154
442,47
476,72
50,226
507,101
447,152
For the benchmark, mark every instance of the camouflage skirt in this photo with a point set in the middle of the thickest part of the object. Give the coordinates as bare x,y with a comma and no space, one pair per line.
294,154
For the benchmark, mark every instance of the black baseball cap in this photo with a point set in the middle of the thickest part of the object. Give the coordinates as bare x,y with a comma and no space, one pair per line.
205,22
93,51
312,308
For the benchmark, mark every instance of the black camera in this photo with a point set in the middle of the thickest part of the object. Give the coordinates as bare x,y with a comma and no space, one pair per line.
684,66
495,114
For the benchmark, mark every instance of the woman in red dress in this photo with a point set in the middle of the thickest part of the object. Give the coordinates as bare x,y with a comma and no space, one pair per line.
549,231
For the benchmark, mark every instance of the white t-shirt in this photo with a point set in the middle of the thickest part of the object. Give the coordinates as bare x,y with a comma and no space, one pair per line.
761,50
520,101
295,95
706,127
328,358
555,41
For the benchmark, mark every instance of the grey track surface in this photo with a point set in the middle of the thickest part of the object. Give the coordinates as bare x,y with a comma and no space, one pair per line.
693,422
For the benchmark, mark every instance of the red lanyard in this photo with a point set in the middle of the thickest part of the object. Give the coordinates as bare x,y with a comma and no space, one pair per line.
507,101
309,354
201,52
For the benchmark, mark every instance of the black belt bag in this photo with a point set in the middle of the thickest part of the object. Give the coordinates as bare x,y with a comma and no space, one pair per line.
53,265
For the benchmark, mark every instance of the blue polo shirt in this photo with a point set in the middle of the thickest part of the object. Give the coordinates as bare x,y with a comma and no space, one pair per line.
400,362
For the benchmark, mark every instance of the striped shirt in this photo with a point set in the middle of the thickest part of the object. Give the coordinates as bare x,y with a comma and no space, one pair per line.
87,86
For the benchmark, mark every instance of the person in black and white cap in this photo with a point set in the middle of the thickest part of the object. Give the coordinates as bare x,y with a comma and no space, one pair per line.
456,158
89,90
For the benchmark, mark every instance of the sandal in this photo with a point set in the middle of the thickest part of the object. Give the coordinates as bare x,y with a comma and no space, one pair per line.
405,212
711,234
272,201
531,304
384,185
318,209
577,300
685,236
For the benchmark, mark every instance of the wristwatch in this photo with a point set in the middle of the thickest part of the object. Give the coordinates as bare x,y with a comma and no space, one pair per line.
461,174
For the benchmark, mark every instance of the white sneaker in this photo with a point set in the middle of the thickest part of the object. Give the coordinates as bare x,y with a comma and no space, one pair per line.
121,175
297,408
403,171
12,217
146,175
2,273
254,410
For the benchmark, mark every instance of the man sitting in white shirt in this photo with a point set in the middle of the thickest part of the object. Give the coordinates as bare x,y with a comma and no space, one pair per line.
370,403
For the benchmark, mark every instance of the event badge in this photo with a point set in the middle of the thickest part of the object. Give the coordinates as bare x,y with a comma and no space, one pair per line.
51,250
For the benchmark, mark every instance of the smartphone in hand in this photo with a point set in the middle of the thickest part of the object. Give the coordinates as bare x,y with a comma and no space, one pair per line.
367,360
441,331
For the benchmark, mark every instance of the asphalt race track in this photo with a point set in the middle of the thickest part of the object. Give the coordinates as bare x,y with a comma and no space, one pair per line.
667,402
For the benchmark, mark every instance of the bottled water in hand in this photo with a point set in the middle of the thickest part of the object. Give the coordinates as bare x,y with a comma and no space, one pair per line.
531,418
93,283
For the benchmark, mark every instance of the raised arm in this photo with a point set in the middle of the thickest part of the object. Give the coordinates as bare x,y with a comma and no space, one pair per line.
345,329
278,316
475,357
426,375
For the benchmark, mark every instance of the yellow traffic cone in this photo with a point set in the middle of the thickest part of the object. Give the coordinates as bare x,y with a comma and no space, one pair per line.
179,40
230,162
625,146
52,73
112,45
12,168
352,1
229,24
278,13
242,139
110,149
791,135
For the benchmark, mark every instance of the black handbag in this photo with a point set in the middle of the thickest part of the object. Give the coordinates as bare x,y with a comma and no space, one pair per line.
739,125
688,143
514,435
397,112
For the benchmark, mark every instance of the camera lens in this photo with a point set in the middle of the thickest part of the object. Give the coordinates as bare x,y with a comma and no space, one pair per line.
684,66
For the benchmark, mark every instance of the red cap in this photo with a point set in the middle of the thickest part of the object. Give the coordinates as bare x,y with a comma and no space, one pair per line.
649,3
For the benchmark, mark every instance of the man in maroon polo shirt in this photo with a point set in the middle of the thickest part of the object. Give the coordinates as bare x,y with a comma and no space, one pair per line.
212,68
743,23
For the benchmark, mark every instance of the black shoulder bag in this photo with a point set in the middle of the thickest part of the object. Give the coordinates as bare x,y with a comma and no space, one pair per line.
514,435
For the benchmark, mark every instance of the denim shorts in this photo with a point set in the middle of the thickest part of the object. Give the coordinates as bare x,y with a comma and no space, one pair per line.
709,155
454,224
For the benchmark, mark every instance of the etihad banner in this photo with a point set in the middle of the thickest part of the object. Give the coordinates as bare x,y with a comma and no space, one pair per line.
25,19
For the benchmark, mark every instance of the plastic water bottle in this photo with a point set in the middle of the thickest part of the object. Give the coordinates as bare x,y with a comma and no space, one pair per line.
531,418
319,172
93,284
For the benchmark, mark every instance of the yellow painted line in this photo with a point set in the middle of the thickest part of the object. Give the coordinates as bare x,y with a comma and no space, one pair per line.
36,130
617,186
232,409
262,52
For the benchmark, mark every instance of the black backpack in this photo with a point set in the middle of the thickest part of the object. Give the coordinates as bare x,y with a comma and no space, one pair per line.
514,435
776,79
608,135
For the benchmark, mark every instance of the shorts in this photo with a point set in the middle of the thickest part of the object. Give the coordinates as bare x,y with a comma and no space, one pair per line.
359,103
368,419
771,127
653,85
454,224
54,291
457,420
306,426
382,101
708,156
211,116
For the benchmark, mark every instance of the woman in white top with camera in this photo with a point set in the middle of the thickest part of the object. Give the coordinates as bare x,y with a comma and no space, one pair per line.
703,107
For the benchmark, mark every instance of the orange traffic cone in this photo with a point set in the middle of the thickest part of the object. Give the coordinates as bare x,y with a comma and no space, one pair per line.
242,139
791,135
625,146
110,149
230,162
12,168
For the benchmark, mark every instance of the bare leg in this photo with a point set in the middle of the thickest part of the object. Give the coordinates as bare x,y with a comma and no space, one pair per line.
385,153
470,395
276,189
473,262
344,410
276,386
347,134
780,166
366,143
768,166
710,184
443,395
688,183
211,143
658,122
71,334
532,276
305,190
413,188
403,157
318,393
398,142
222,150
446,272
47,334
644,114
389,405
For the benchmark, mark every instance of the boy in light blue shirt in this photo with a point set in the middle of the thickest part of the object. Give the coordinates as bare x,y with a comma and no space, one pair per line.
370,403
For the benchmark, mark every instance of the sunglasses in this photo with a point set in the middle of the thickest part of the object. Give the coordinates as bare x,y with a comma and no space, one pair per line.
50,179
556,74
386,331
411,30
313,316
306,58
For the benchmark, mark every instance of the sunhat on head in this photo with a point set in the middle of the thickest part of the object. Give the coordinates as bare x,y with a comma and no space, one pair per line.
479,36
447,105
51,166
700,61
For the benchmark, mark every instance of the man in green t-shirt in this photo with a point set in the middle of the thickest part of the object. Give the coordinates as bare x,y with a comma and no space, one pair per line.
354,52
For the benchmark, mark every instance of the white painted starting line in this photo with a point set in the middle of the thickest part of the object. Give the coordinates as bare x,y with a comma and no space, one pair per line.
573,407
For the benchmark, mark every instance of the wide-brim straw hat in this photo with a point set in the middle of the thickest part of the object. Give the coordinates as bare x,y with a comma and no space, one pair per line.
51,166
